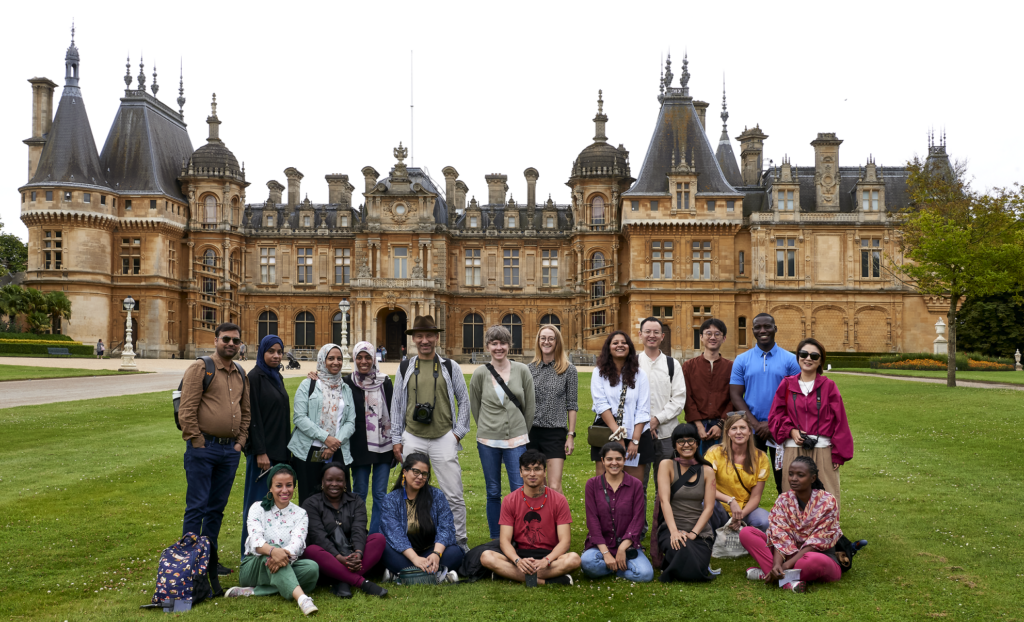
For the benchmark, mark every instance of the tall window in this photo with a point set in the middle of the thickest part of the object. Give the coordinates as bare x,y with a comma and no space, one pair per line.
472,222
870,258
209,260
551,318
342,265
210,212
131,255
741,337
267,324
208,317
172,260
679,196
209,288
270,220
53,250
515,326
597,210
305,222
472,334
473,267
597,290
172,321
661,260
550,222
597,319
743,262
305,330
786,202
511,267
511,222
702,260
597,261
268,265
336,328
785,257
235,265
699,315
400,256
549,268
304,265
869,200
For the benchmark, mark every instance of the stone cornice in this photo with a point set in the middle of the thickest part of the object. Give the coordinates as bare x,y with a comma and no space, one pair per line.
82,219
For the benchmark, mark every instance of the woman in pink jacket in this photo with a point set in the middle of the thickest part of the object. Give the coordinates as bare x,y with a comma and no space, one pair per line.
808,418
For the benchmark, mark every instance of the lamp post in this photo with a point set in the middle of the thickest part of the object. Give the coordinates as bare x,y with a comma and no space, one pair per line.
346,366
128,352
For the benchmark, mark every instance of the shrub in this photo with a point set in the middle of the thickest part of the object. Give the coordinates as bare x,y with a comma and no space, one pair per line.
922,364
33,349
34,337
988,366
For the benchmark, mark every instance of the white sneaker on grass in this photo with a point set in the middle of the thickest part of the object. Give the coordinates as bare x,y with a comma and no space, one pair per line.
755,574
388,577
239,591
451,577
307,606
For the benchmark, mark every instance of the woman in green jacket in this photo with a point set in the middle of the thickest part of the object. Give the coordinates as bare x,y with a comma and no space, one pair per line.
325,419
502,425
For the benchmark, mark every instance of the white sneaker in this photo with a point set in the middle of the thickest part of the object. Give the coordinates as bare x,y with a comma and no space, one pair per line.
388,577
307,606
451,577
239,591
755,574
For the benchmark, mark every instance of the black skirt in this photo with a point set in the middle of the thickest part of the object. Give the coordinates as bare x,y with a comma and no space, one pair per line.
689,563
646,449
548,441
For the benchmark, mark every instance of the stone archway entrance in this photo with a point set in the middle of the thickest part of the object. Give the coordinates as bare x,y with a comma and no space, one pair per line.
391,327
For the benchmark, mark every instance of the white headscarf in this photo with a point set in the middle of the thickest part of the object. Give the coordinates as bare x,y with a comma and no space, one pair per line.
378,419
332,403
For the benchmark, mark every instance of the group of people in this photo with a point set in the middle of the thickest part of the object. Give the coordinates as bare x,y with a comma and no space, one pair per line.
711,429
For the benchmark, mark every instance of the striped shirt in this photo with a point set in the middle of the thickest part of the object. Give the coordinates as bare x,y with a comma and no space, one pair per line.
556,395
458,395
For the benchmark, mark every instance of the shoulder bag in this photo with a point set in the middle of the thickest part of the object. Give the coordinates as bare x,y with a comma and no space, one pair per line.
504,387
599,434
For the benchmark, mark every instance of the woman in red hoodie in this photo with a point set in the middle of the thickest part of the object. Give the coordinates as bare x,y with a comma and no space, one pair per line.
809,419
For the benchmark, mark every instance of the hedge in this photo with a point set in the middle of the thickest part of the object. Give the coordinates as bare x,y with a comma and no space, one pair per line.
24,348
34,337
36,342
965,361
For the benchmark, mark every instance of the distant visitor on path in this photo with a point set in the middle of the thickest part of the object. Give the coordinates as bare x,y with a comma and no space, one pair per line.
100,349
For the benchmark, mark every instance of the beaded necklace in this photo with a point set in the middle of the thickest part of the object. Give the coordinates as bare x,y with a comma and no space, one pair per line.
527,502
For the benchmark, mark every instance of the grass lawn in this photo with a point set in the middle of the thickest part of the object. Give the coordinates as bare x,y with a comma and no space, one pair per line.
25,372
1002,377
94,490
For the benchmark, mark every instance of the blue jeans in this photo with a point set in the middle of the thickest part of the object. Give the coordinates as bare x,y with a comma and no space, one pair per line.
708,444
361,485
394,561
491,459
638,570
209,473
758,518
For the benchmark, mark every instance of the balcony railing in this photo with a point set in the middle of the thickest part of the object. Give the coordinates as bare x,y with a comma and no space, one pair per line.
382,283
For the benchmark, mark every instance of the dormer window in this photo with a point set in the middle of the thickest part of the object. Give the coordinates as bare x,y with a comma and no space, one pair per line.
305,221
786,200
511,222
472,222
551,222
344,221
869,200
270,220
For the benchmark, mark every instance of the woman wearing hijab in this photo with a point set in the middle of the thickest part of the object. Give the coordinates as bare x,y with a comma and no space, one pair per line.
324,421
269,424
370,444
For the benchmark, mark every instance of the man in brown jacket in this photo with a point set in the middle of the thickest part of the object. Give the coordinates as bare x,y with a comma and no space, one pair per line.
215,425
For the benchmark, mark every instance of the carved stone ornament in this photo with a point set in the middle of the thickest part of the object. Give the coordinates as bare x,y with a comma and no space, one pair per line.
417,271
391,298
364,270
399,212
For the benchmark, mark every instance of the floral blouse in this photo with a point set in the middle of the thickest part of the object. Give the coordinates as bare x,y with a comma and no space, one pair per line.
790,529
285,529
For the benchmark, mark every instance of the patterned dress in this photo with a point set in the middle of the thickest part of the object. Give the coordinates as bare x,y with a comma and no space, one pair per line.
817,525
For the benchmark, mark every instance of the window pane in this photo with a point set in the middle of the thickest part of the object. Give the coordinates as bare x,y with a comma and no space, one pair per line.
668,270
792,263
780,261
864,264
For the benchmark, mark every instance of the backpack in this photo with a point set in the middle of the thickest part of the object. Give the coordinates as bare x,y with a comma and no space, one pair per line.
671,362
181,579
211,369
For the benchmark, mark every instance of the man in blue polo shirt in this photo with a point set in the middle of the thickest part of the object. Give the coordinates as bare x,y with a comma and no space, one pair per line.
756,375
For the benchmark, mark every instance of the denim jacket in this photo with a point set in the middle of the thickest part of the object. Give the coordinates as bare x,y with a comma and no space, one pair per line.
307,421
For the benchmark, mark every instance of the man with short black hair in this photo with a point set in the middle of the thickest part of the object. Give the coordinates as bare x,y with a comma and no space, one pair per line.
535,533
430,414
668,391
707,385
756,375
215,425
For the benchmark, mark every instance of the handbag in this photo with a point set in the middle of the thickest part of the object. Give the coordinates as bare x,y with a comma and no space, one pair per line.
598,434
727,543
414,576
504,387
341,542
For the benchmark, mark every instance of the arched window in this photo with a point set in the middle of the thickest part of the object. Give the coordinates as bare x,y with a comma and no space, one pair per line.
336,329
209,260
515,326
597,261
552,319
267,324
305,330
472,334
210,211
234,211
597,210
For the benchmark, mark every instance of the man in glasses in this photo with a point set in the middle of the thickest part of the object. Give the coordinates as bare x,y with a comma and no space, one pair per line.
215,425
756,375
668,391
707,385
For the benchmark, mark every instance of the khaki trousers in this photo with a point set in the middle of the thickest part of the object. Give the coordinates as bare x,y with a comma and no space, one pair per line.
822,456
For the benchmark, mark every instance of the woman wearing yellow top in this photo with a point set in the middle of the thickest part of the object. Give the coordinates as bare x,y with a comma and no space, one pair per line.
741,469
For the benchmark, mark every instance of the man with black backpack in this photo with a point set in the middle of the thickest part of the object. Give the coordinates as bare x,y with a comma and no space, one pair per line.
214,418
430,414
668,391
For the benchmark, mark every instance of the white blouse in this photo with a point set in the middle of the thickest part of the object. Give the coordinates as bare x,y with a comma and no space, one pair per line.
637,407
281,528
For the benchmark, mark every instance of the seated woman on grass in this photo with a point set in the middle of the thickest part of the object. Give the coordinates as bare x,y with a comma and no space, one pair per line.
418,525
803,529
277,537
741,469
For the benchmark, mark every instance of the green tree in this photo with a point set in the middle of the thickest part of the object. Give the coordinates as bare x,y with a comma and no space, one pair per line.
991,325
12,304
57,306
35,310
958,243
13,254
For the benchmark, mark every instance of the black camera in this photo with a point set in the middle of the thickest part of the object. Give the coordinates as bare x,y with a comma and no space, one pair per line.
808,441
423,413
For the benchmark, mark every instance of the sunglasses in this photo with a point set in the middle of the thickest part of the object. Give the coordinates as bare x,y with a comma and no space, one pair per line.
233,340
805,354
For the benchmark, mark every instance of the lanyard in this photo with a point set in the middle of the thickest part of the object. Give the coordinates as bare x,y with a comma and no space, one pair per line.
416,372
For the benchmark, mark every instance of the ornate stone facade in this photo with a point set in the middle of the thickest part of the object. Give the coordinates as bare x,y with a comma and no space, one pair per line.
696,235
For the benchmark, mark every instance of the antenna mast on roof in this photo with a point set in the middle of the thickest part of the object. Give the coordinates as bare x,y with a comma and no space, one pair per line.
412,126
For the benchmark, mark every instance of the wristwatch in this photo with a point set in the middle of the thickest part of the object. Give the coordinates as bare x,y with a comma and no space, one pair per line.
636,441
572,434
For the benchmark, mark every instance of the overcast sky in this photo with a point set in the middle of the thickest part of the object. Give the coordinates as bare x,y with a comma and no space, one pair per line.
499,87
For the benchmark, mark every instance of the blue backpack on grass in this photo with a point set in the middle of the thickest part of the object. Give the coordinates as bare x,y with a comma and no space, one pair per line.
181,579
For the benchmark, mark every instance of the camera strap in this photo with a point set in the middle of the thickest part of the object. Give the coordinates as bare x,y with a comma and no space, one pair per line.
416,372
817,424
504,387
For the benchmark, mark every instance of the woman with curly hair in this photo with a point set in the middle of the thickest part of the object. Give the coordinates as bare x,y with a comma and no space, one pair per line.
622,402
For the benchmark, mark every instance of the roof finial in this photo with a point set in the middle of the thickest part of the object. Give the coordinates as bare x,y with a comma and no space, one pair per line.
213,122
600,120
668,71
684,77
154,87
181,89
213,106
600,102
72,31
142,74
128,71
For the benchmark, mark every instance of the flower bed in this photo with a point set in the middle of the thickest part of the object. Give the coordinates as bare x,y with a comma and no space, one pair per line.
918,364
988,366
36,342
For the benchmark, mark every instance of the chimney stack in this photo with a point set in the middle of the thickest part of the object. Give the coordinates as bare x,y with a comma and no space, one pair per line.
826,171
461,190
450,177
370,178
336,188
702,110
294,181
42,120
531,175
751,148
275,192
496,188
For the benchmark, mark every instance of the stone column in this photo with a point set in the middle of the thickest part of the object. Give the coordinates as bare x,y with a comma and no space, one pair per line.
377,266
428,271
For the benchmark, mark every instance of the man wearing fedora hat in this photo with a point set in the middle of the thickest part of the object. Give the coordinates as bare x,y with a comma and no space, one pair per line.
424,416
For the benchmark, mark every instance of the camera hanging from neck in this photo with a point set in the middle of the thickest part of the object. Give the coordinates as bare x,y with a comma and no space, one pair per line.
424,413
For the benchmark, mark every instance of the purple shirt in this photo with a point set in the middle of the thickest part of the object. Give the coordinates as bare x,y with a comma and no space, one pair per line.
628,505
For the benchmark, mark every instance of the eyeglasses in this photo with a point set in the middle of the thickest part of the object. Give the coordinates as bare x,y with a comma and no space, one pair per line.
805,354
234,340
418,473
687,441
651,333
548,340
715,335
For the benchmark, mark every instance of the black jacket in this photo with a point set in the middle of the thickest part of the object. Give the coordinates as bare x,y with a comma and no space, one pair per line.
323,518
270,423
361,455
